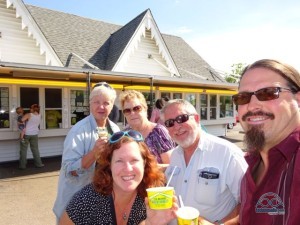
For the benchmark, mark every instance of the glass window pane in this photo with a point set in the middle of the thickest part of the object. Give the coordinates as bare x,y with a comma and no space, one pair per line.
213,100
4,108
28,97
53,119
53,98
177,95
203,100
165,94
213,113
226,106
79,104
191,98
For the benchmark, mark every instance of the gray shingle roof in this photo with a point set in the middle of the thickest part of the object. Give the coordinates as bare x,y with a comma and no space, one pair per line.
101,43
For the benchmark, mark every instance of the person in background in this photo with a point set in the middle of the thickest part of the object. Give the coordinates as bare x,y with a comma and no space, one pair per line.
207,170
21,124
156,136
155,115
268,106
53,118
114,114
83,144
33,120
116,195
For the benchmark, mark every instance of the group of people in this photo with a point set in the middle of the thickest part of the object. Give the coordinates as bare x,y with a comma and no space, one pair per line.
103,179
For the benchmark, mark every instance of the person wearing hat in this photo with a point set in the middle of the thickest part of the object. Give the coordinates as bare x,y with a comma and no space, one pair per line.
268,105
83,144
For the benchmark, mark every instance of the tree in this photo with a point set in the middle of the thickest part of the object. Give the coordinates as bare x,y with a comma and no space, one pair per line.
235,74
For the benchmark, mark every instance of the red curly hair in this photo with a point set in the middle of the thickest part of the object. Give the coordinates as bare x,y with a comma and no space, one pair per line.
103,181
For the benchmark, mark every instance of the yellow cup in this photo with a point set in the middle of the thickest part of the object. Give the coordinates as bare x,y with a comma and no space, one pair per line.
160,197
187,216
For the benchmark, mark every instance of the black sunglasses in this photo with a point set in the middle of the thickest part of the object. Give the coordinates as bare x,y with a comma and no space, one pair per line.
103,84
135,135
137,108
264,94
179,119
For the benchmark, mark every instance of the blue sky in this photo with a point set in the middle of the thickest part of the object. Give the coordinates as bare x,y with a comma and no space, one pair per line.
223,32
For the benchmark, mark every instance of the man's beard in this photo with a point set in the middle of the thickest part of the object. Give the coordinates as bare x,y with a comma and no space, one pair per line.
254,139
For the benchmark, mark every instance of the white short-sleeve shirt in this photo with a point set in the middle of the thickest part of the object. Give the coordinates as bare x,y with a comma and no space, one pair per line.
211,181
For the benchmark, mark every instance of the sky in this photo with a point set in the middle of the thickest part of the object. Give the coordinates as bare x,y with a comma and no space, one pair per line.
222,32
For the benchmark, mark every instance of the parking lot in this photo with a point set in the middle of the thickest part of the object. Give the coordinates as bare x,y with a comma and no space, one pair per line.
27,196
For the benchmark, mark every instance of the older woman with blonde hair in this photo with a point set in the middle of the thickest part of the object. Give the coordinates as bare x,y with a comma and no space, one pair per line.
83,144
156,136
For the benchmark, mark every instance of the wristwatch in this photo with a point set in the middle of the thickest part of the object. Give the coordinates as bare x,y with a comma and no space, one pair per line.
219,222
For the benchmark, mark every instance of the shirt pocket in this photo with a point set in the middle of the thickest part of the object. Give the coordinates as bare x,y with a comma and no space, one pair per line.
207,186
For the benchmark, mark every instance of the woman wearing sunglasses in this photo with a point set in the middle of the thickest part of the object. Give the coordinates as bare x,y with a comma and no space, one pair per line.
82,145
116,195
156,136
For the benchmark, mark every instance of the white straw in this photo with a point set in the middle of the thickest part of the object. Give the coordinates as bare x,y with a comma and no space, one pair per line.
171,176
180,201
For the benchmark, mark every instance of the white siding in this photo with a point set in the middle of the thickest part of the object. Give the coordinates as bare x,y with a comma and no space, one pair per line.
15,45
139,62
50,146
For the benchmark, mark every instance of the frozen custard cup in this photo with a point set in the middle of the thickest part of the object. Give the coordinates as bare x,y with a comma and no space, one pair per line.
187,216
102,132
160,197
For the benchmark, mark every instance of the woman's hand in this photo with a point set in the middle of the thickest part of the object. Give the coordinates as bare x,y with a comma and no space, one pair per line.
160,217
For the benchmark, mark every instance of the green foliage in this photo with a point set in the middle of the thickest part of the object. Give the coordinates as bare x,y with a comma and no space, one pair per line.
235,74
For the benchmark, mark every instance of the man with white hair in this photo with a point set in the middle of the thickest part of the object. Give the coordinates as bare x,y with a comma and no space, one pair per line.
83,144
207,170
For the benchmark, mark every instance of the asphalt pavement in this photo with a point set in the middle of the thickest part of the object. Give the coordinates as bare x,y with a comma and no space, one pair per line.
27,196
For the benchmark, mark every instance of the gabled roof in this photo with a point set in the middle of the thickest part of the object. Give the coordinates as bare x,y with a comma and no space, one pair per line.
102,44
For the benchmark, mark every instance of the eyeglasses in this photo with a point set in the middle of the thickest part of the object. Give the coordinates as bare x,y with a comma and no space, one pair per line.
179,119
137,108
135,135
103,84
264,94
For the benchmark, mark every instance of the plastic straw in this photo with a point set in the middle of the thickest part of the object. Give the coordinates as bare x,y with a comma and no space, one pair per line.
180,201
171,176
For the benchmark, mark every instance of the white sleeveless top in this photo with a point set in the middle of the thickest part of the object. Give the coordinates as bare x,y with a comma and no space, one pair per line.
32,125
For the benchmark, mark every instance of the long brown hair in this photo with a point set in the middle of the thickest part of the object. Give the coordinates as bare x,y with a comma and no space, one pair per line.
103,181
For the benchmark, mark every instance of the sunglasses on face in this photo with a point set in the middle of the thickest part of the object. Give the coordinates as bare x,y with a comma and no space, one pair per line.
135,135
179,119
137,108
103,84
264,94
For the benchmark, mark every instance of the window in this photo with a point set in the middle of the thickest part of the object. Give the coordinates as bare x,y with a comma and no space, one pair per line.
53,108
79,105
191,98
177,95
165,94
149,98
213,107
4,107
226,107
28,97
203,106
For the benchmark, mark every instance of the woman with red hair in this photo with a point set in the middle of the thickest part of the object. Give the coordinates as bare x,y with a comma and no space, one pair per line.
116,196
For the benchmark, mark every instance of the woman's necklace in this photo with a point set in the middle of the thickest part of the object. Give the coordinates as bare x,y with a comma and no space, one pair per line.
124,214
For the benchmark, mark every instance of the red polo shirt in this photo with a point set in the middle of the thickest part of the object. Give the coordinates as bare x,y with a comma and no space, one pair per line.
277,198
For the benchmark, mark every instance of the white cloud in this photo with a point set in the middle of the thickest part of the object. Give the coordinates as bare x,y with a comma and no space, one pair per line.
249,45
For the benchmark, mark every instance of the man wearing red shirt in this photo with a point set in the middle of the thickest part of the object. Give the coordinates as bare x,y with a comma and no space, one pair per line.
268,106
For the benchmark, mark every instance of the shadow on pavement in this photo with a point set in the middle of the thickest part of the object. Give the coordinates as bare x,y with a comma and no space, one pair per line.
11,170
